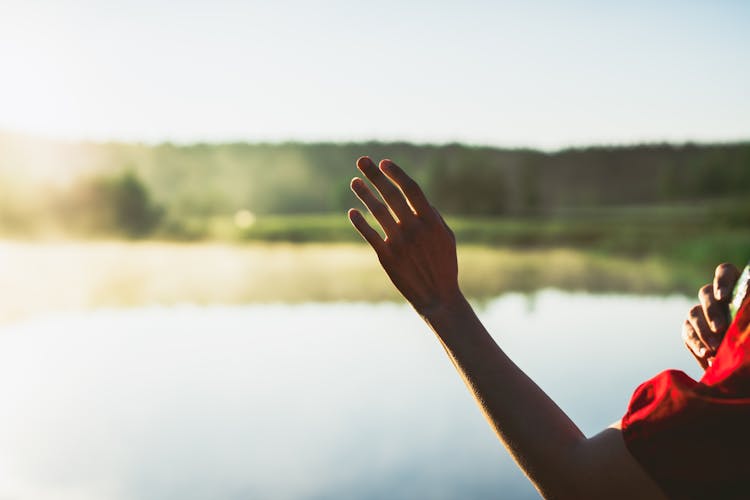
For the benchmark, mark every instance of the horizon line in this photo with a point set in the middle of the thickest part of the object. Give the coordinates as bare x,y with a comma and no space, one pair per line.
624,144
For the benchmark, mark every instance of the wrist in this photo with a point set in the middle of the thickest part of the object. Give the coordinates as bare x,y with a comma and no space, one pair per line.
450,306
454,322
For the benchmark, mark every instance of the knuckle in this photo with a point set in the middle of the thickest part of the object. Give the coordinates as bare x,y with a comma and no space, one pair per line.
695,312
724,267
414,232
395,241
406,224
410,236
419,227
712,340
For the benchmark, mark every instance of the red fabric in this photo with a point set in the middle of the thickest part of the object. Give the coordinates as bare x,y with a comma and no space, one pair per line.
693,438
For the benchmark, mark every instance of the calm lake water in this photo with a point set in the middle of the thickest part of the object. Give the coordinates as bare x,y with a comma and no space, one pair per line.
320,400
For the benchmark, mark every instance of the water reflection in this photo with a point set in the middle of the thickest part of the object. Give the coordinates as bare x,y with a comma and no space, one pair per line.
67,276
300,401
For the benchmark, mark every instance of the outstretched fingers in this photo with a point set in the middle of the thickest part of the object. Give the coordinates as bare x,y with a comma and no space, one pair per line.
385,187
409,187
368,233
376,207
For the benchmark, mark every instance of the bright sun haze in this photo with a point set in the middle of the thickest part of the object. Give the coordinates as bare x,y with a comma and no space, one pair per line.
546,75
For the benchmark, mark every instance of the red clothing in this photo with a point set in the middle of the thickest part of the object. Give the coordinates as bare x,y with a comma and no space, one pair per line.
693,438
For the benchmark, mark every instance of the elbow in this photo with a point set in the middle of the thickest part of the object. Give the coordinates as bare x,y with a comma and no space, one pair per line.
566,489
575,476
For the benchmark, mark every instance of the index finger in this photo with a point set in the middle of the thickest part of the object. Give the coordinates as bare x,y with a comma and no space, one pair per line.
725,277
412,192
385,187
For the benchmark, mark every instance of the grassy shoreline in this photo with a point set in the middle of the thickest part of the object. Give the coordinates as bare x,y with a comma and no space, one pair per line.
80,275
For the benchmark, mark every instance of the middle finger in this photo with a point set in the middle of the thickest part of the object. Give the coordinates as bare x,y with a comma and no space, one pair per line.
386,188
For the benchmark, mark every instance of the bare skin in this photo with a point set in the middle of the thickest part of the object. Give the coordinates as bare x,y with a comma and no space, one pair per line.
419,256
707,322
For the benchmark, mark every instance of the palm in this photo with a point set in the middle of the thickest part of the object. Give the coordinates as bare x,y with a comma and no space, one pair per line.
419,250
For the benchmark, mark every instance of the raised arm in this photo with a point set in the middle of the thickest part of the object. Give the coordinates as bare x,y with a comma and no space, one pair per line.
419,255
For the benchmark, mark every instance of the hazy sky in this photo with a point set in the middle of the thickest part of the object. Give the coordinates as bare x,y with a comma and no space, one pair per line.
545,74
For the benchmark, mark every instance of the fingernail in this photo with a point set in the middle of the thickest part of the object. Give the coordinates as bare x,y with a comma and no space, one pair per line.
710,361
701,352
364,161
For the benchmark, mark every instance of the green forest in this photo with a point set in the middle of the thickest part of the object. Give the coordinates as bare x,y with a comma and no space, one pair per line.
686,202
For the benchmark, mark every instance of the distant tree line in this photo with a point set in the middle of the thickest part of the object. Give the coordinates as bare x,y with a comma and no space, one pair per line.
163,187
462,180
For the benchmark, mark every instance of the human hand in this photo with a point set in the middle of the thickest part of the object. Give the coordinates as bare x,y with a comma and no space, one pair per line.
419,250
707,322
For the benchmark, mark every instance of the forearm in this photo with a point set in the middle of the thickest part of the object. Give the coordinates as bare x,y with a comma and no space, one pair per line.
542,439
419,256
